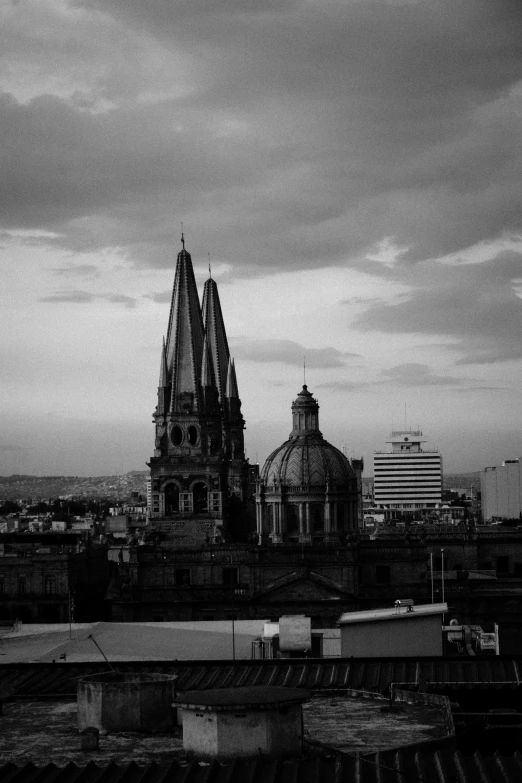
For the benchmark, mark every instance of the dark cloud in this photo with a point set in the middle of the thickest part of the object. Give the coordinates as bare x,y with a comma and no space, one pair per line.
10,447
128,301
342,386
160,297
412,374
77,297
303,133
289,352
77,270
475,304
84,297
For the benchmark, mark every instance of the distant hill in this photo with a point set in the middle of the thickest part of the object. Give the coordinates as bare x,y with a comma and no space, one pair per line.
34,488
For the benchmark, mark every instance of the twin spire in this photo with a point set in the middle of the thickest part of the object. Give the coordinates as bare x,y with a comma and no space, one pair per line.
195,356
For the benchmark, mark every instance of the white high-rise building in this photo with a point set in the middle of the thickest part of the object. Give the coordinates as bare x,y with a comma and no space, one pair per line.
501,489
407,478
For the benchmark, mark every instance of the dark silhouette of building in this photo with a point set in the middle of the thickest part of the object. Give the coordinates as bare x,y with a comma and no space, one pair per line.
199,474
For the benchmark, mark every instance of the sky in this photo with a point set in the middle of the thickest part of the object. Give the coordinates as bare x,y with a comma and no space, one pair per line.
352,168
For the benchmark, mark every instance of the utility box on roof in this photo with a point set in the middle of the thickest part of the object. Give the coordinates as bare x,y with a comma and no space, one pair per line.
295,633
400,632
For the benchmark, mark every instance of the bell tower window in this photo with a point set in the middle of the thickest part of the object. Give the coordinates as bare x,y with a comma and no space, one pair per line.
177,435
200,493
171,499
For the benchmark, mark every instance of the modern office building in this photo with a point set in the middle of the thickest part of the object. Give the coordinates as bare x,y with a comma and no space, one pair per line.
501,489
407,479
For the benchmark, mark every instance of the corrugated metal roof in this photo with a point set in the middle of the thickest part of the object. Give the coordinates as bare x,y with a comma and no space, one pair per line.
46,679
401,766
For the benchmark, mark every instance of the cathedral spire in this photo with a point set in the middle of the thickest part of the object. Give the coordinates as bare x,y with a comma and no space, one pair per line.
232,392
163,384
216,335
207,376
163,379
184,348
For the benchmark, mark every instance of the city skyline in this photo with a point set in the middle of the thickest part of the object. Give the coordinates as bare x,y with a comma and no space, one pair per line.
353,170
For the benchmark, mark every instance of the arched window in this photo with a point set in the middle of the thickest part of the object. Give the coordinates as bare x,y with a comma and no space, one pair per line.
200,496
171,499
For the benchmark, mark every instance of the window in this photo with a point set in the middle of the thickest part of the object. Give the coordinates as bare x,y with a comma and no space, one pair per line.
171,499
177,436
517,570
182,576
230,577
2,586
503,564
22,584
50,585
382,575
200,495
157,618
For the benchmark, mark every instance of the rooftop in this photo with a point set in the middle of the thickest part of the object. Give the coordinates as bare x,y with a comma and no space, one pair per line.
44,730
393,613
429,765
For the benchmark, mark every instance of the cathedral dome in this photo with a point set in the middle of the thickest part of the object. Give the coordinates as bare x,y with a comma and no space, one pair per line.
309,460
306,458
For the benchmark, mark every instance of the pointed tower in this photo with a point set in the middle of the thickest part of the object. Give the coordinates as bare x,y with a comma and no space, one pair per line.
225,375
199,471
188,476
216,335
184,348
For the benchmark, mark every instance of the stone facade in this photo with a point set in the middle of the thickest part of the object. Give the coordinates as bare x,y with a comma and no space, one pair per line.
50,578
217,582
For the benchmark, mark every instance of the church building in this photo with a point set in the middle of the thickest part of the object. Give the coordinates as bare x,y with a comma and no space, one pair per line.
308,492
198,474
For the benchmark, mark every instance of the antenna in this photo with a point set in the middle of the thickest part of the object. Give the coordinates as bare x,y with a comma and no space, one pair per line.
182,237
304,370
405,416
209,269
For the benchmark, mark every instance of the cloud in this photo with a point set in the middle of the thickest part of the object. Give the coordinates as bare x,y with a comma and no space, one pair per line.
413,374
342,386
295,132
474,304
84,297
77,297
128,301
77,270
9,447
291,353
160,297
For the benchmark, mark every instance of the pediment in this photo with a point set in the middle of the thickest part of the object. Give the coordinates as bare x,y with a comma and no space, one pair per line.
302,587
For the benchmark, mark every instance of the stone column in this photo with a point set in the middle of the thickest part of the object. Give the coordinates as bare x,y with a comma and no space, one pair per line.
327,516
275,533
304,537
